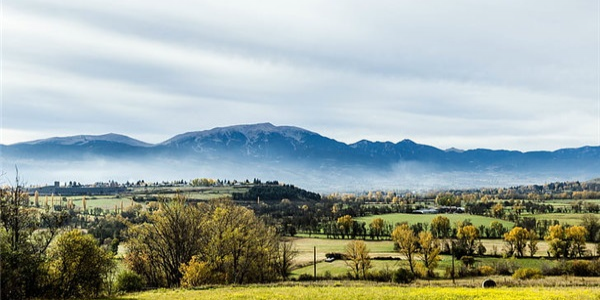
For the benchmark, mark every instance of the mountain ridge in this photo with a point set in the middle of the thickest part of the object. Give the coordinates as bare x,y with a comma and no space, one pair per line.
301,154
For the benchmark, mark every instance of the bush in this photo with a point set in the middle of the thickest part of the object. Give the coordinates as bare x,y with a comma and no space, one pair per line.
129,281
486,270
584,268
195,273
505,267
403,275
305,277
383,275
528,273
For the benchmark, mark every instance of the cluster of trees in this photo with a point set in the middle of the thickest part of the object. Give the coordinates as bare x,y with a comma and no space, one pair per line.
276,192
206,243
41,257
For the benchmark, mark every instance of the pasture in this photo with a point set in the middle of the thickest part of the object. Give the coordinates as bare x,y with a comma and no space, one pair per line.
426,218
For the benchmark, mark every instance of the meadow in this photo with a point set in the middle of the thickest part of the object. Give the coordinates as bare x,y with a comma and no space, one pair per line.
365,291
426,218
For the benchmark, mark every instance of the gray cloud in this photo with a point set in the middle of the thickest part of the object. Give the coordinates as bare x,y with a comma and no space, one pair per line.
466,74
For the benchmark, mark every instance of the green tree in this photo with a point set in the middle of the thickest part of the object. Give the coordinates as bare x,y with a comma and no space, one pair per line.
22,246
408,243
158,248
592,225
357,258
77,265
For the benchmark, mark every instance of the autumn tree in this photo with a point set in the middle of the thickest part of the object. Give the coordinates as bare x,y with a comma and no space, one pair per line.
376,227
429,252
557,241
576,236
345,225
498,211
532,243
566,242
440,227
408,243
467,237
357,258
516,241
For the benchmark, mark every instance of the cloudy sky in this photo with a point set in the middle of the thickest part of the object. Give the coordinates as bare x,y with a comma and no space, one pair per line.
518,75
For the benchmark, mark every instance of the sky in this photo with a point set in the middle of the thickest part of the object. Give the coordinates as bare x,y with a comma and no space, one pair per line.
518,75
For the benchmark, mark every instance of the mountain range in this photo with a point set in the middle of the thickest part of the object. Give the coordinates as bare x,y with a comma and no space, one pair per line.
295,155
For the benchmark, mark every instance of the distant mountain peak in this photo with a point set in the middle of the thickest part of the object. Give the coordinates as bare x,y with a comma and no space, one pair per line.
250,131
84,139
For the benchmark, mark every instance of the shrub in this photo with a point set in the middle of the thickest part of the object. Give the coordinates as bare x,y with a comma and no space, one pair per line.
584,268
528,273
380,275
305,277
486,270
129,281
403,275
195,273
505,267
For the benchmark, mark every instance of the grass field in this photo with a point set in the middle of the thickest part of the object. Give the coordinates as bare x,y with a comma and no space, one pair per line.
364,291
418,218
571,219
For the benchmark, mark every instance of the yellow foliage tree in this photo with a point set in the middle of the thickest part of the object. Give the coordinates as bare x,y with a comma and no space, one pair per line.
357,258
407,243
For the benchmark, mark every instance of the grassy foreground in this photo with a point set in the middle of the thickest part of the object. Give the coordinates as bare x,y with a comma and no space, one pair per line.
357,291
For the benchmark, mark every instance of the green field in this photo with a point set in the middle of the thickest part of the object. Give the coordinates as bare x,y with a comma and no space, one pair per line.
418,218
358,290
571,219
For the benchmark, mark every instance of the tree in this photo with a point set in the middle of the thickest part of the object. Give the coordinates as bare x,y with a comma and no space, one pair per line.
345,224
22,246
376,227
497,229
592,225
430,252
284,262
533,241
157,249
557,241
575,235
516,240
440,227
357,258
447,199
77,265
407,243
467,235
498,211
